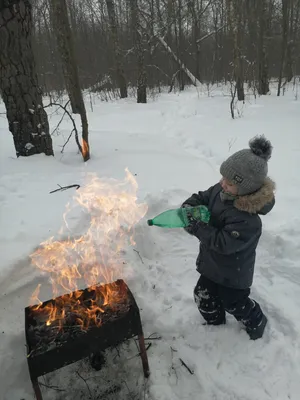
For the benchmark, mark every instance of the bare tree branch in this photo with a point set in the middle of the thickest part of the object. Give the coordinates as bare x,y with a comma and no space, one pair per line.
210,34
66,111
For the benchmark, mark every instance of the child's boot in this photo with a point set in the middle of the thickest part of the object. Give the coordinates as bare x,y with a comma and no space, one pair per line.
256,332
256,322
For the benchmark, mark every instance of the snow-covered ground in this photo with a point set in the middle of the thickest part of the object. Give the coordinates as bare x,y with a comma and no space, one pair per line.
173,146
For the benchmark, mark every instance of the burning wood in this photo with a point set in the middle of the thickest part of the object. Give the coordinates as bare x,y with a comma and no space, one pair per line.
73,335
58,320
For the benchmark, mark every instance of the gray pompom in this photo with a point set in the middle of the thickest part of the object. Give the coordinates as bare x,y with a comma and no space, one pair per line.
261,147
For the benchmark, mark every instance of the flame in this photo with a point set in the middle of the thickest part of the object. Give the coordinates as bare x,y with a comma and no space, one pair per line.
85,148
94,258
35,297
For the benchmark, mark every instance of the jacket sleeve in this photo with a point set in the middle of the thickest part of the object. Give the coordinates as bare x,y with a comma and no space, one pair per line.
200,198
236,235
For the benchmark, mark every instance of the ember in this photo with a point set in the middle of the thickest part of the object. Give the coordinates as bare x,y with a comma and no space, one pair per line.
70,338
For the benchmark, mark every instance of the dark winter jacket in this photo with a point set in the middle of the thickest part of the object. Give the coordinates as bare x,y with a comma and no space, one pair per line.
228,243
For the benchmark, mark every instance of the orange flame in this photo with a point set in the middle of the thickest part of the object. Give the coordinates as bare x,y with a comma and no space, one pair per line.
35,297
85,148
95,257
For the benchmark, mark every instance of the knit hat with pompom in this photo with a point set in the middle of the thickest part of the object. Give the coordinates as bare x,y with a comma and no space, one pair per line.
248,168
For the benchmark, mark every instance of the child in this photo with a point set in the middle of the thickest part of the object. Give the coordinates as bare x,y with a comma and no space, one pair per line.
228,242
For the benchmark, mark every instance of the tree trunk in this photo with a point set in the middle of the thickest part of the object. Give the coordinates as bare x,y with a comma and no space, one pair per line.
263,67
61,27
215,57
170,20
290,51
139,51
120,75
252,10
285,17
28,121
179,43
294,38
239,63
235,11
221,65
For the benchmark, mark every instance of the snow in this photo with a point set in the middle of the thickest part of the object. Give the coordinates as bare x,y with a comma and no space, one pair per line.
173,146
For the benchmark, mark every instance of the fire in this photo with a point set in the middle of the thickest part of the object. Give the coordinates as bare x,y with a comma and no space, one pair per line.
95,257
85,148
35,297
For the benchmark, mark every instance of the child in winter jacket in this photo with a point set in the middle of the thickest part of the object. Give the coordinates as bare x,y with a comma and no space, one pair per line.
228,242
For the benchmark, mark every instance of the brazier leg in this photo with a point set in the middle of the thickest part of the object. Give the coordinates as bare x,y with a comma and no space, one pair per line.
144,355
37,390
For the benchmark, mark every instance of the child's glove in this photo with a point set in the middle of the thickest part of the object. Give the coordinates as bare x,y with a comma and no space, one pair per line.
196,215
200,213
188,228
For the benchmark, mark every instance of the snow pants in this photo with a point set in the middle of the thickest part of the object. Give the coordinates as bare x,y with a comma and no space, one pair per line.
214,300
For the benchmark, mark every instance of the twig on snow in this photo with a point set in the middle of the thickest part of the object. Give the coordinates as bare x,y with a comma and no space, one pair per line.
112,390
147,347
231,143
84,380
139,354
52,387
130,393
139,255
184,364
63,188
172,365
153,338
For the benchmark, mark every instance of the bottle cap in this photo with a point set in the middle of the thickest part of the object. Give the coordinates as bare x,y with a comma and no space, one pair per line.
150,222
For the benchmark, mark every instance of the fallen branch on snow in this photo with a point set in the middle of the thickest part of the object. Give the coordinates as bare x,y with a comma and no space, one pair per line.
139,255
62,188
139,354
52,387
84,380
153,338
184,364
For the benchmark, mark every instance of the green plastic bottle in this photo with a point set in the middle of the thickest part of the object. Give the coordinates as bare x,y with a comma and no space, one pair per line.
178,218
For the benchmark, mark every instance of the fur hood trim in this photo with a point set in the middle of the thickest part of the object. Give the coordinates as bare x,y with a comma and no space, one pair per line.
254,202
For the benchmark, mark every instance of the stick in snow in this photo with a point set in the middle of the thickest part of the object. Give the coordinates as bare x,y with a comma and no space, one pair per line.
184,364
84,380
153,338
139,255
52,387
62,188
